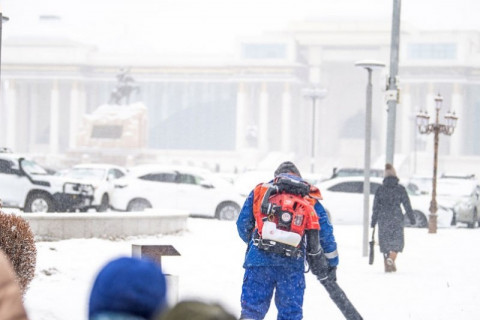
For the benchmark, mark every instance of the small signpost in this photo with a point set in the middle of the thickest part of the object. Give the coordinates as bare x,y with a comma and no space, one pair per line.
155,252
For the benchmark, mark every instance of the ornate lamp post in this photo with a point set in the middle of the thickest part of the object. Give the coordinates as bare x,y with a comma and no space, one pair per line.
425,128
314,93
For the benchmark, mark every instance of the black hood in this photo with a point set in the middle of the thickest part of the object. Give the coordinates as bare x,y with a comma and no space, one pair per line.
390,181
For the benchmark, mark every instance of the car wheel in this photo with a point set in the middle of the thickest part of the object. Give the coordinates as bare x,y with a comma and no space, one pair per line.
39,202
227,211
420,220
104,204
474,219
138,205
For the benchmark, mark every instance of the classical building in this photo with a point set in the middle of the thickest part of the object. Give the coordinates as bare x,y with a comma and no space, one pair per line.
245,109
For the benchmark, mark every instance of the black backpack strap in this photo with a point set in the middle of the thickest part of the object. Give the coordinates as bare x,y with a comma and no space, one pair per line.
289,185
277,247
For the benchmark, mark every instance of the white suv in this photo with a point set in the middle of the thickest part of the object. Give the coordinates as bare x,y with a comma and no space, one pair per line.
189,189
101,177
26,185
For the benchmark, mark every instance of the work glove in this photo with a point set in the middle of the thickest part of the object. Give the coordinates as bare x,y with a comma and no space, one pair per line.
332,273
412,220
318,264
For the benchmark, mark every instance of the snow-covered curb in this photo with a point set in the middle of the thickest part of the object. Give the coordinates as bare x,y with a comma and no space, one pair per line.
109,225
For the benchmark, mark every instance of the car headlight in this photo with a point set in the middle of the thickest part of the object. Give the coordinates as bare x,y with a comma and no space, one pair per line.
87,189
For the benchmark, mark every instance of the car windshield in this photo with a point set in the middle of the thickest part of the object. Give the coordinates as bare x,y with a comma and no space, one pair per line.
32,168
412,189
216,180
353,172
86,173
423,183
454,189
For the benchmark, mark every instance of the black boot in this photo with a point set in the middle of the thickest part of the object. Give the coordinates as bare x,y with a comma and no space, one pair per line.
387,262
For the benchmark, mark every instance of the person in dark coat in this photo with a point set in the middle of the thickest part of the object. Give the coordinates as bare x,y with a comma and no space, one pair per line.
387,212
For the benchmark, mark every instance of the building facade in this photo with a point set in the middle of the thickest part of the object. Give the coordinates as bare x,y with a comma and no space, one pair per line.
249,107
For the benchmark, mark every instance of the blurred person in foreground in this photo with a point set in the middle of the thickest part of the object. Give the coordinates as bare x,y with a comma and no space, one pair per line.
196,310
279,239
128,289
387,212
11,301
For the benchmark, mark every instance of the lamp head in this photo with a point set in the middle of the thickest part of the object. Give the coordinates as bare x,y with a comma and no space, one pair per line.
451,119
370,64
314,92
422,119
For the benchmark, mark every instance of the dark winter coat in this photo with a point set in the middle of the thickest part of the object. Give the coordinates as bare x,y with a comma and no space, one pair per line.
387,212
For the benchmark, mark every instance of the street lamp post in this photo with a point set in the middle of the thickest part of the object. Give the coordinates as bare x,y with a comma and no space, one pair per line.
392,88
3,19
425,128
369,65
314,93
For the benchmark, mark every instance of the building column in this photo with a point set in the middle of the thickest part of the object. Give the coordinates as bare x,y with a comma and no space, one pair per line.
54,119
263,119
241,122
458,105
407,119
286,119
75,116
315,58
11,114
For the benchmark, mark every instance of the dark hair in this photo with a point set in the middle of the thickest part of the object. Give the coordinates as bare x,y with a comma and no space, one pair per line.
197,310
287,167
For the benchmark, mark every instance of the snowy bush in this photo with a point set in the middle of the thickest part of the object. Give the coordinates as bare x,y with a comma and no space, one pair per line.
17,241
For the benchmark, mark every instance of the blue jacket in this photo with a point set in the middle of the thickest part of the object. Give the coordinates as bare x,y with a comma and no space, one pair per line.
257,257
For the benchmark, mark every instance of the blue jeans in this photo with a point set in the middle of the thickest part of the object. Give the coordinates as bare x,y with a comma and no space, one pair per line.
257,291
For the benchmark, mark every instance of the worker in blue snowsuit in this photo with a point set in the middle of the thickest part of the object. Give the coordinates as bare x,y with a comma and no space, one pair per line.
266,271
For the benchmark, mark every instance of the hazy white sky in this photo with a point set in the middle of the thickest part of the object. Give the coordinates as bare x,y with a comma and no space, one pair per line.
213,25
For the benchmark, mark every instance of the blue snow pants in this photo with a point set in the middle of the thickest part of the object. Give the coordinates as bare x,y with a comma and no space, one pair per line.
259,282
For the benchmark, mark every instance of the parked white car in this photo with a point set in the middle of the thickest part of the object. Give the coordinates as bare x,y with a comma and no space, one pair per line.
196,191
102,177
26,185
343,200
459,193
463,195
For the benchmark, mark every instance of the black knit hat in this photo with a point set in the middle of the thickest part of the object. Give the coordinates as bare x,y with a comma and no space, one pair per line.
287,167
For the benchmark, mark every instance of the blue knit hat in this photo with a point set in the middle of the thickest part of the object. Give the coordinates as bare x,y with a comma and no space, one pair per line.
129,285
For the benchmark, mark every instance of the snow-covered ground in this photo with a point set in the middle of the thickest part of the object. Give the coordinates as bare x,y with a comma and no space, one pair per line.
437,275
